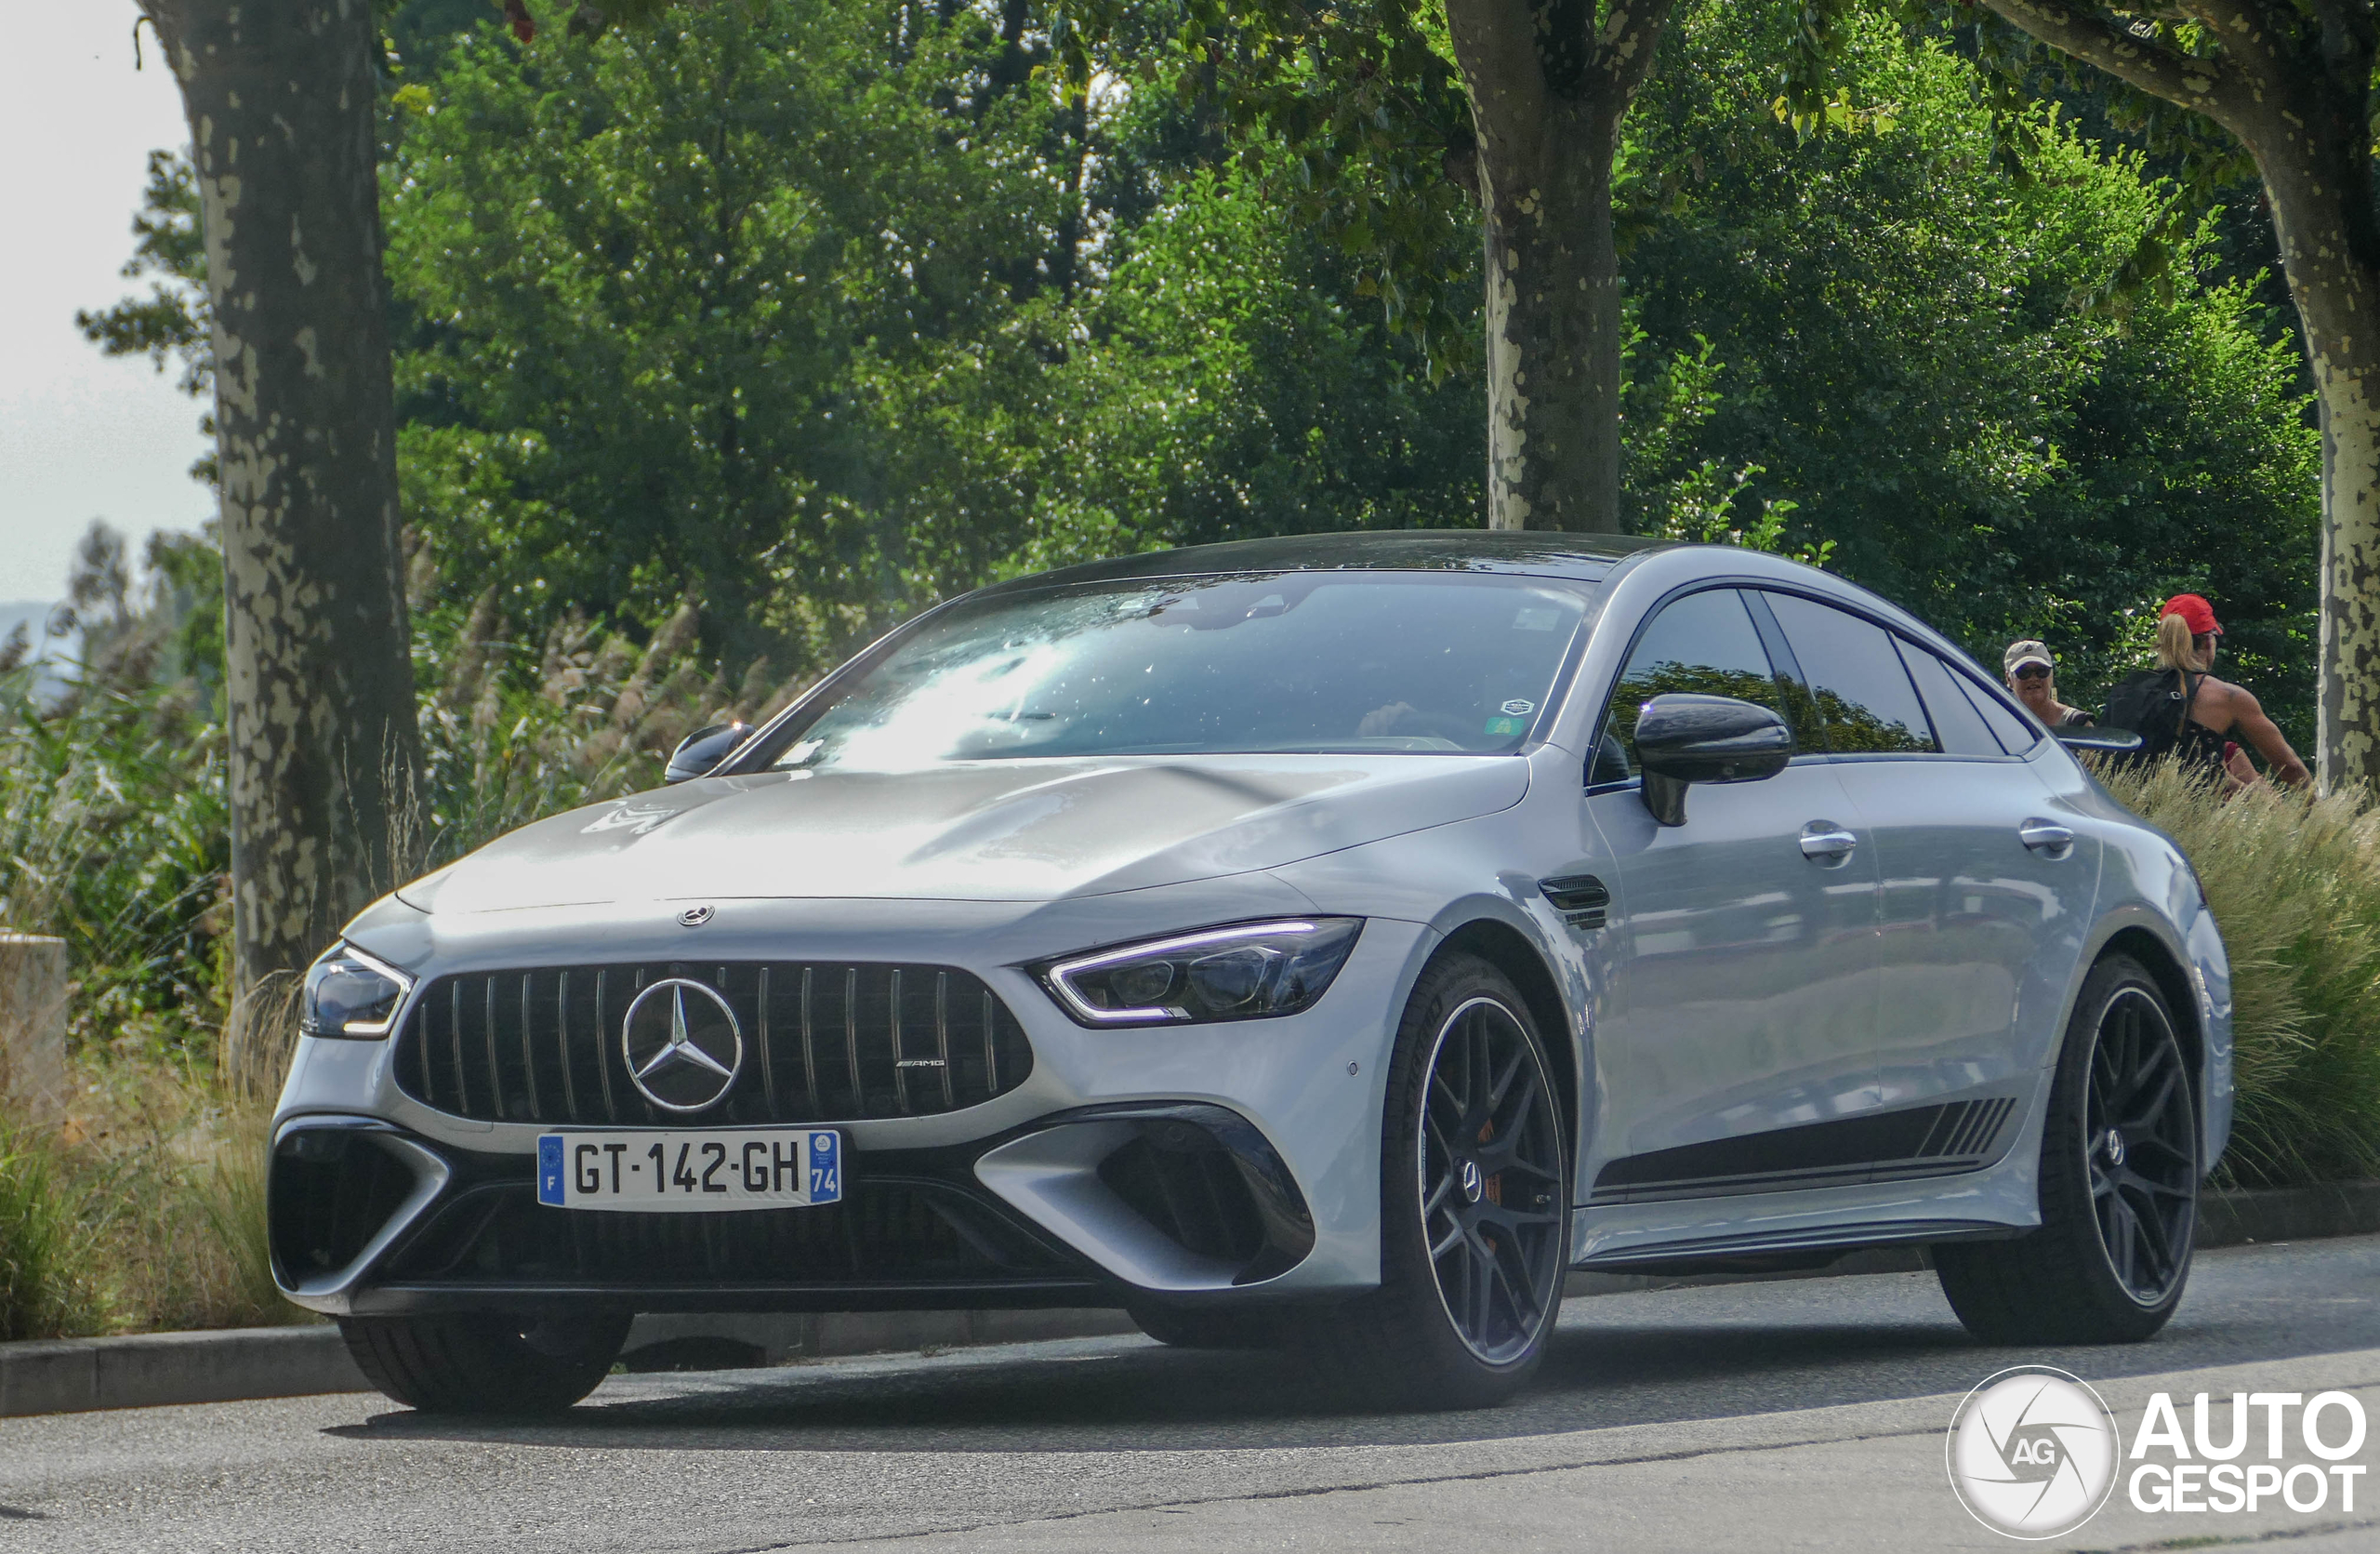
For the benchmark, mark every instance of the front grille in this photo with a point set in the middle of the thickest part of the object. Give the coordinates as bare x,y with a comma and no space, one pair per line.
823,1043
881,1233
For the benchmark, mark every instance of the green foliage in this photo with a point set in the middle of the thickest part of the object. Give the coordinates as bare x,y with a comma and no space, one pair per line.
172,321
2295,883
1897,339
1353,114
1229,387
42,1245
745,302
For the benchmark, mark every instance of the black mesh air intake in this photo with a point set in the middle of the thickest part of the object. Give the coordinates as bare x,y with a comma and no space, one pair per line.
823,1043
330,1192
882,1233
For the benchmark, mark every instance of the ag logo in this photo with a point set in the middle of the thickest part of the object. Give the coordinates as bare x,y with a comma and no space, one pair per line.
2032,1453
683,1045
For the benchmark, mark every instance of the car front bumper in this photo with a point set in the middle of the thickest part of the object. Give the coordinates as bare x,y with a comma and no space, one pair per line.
1186,1163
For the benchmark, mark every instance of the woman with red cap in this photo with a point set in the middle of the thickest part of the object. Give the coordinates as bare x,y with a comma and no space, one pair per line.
2214,711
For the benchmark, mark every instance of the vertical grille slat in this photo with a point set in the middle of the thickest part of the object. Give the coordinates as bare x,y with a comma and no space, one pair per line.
487,1046
851,1038
461,1052
809,1053
454,1029
562,1045
942,1036
528,1061
602,1059
768,1068
900,1057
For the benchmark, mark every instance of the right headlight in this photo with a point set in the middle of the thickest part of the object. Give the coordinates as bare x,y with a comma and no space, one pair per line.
350,994
1251,971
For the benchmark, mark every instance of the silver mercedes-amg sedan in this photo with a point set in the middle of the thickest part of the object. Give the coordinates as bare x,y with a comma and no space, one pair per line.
1318,943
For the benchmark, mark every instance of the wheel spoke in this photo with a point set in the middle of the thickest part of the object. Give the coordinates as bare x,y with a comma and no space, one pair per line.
1438,1197
2150,1232
2142,1115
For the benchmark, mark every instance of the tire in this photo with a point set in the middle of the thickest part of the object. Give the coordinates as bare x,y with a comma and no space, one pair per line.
485,1362
1204,1328
2112,1255
1466,1328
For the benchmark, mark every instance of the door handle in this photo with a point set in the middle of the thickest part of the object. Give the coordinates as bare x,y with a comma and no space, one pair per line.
2046,836
1824,842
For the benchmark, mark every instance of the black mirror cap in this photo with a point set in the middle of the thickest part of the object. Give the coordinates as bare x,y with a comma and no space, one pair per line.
1711,739
2107,741
699,752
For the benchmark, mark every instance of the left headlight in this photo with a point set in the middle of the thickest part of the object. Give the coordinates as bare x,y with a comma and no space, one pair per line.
1251,971
350,994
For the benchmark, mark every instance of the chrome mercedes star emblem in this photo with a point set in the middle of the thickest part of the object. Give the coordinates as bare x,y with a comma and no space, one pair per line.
683,1045
693,917
1472,1186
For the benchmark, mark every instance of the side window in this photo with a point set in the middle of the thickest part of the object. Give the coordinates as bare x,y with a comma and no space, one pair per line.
1704,644
1864,696
1957,726
2016,733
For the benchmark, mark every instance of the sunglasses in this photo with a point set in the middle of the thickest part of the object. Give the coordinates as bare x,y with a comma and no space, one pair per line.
2032,671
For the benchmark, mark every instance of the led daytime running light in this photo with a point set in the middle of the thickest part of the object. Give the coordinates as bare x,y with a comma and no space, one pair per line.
1060,975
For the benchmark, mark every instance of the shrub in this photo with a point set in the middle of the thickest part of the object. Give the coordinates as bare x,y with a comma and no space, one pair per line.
2294,884
43,1244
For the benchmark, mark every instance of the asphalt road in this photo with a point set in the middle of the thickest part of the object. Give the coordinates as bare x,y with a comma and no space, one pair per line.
1802,1413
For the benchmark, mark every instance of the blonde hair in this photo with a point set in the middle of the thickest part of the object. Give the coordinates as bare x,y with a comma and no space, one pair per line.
2175,649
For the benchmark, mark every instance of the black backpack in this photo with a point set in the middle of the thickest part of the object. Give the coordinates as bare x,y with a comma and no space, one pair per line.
2152,703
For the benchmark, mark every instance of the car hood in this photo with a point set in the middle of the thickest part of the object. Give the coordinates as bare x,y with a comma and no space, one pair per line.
993,830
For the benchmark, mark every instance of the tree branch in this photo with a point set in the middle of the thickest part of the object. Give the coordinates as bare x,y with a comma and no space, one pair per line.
2210,87
1624,50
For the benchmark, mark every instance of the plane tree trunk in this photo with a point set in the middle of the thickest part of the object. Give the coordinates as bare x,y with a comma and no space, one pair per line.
1549,84
281,97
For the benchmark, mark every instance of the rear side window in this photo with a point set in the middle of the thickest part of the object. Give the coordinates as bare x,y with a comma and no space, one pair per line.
1704,644
2015,734
1958,726
1865,699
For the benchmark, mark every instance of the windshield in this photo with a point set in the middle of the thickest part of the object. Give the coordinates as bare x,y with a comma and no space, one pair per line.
1283,662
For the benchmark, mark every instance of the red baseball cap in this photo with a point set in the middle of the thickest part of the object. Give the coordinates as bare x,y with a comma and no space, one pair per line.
2196,613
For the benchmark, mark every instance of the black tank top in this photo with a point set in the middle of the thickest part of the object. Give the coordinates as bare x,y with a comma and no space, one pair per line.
2194,743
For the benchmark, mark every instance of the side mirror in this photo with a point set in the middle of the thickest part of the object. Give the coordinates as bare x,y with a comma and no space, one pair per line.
2112,741
703,749
1682,739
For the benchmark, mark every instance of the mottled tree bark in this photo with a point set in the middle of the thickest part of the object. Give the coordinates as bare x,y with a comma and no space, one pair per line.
1549,84
2295,86
279,96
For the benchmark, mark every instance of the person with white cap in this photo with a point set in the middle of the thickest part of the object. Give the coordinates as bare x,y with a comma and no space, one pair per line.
2034,679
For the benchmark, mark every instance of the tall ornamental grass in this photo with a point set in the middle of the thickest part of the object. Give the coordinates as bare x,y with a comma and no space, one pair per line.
143,1207
2294,884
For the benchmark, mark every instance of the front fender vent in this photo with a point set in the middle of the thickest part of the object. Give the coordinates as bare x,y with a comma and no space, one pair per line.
823,1043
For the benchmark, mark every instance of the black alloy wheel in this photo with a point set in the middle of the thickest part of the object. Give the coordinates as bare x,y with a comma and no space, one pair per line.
2140,1137
1474,1206
2119,1184
1490,1158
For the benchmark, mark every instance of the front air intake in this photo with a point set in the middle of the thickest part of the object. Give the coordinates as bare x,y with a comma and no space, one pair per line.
823,1043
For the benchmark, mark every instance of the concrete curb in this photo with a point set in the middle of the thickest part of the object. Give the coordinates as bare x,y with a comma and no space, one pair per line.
71,1375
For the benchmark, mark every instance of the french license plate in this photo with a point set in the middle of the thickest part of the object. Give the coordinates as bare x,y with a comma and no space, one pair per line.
678,1170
